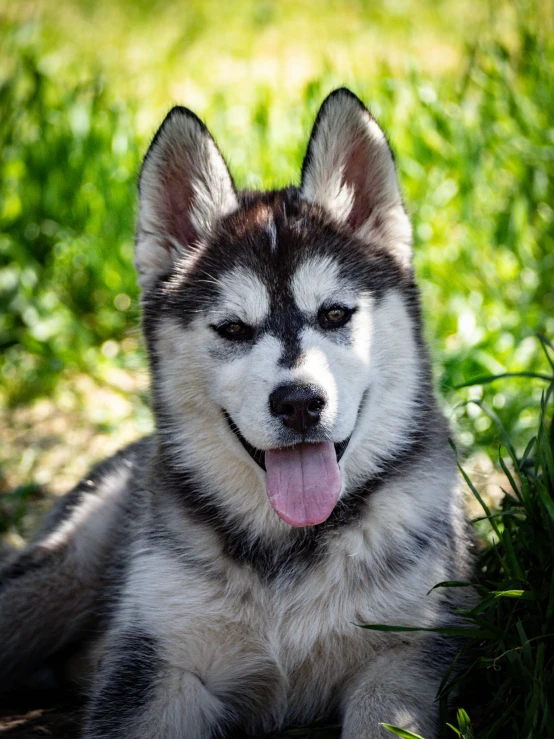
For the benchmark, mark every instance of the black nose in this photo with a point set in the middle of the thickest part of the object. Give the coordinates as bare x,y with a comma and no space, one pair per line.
298,406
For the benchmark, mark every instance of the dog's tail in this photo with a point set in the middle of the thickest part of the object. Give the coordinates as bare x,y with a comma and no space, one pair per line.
50,593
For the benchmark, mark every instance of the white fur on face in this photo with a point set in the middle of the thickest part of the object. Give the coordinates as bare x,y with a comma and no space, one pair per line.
343,371
317,282
243,386
244,297
391,404
239,385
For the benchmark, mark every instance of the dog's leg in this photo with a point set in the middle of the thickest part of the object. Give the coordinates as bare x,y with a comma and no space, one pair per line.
397,688
146,689
139,695
49,593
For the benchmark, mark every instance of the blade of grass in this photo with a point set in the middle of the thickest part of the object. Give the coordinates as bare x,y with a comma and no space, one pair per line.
473,489
509,475
404,733
447,630
546,343
450,584
487,379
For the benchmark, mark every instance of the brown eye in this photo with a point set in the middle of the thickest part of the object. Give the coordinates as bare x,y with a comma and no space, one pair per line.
233,328
235,331
334,317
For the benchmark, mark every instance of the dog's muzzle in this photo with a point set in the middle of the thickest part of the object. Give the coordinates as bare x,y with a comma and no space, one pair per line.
258,455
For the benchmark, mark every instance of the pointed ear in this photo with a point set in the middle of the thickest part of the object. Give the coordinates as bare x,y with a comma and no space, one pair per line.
184,189
349,170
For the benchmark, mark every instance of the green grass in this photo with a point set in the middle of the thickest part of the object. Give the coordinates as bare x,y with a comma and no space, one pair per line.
464,91
475,148
511,675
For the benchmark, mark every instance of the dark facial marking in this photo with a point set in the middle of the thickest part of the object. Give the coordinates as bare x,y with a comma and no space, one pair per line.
286,322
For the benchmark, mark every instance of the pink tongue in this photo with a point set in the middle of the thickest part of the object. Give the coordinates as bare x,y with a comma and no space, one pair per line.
303,482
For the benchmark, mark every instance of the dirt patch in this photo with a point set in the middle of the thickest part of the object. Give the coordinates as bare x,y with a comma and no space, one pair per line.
61,720
50,444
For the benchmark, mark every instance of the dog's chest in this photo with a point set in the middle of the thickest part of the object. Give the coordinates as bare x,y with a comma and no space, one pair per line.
292,622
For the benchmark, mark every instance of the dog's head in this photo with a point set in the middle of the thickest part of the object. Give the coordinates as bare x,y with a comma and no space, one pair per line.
285,320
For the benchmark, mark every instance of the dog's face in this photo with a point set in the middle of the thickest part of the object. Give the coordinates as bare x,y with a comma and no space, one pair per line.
286,335
266,313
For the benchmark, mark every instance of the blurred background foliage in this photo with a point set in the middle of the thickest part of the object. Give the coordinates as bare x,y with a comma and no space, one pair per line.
464,90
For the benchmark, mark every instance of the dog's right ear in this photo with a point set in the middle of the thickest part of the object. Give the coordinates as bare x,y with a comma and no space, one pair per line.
184,189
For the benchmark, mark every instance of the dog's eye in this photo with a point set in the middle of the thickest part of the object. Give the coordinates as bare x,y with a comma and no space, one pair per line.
235,331
334,317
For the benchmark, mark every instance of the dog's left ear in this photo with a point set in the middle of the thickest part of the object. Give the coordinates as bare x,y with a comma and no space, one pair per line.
349,170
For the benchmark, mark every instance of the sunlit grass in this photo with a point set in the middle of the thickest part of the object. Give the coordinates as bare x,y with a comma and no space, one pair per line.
83,90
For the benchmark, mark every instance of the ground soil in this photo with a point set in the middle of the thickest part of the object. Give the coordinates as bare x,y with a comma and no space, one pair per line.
40,718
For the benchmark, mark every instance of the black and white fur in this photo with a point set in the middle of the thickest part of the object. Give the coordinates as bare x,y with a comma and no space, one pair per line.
204,612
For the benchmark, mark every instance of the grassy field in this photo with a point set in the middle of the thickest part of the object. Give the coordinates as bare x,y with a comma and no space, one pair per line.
465,92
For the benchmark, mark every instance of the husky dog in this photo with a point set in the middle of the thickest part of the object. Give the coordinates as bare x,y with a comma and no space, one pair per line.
299,482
